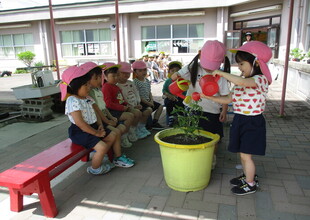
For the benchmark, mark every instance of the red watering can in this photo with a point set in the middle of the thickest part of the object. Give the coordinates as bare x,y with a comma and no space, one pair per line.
208,84
178,87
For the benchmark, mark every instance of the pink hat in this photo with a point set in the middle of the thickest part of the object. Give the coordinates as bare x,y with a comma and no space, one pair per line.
212,55
262,53
138,65
109,65
73,72
125,67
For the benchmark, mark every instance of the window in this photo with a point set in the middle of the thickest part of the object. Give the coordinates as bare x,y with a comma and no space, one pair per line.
13,44
260,22
181,38
86,42
308,30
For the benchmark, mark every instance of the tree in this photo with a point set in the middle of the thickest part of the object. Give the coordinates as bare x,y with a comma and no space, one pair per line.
26,57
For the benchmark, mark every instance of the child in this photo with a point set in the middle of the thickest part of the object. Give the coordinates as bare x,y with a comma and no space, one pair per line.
115,101
100,108
171,100
248,130
211,56
85,129
132,97
144,87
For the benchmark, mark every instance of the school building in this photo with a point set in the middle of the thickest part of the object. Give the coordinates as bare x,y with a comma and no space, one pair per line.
86,31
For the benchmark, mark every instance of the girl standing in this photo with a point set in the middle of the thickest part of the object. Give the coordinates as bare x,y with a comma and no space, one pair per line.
248,130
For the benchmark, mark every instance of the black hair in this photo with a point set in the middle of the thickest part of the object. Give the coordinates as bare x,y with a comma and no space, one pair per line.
245,56
111,71
174,65
193,68
96,71
77,83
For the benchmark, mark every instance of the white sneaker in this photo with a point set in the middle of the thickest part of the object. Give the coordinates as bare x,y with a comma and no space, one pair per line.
132,135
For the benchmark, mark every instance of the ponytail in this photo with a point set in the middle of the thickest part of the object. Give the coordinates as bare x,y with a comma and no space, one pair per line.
226,65
193,69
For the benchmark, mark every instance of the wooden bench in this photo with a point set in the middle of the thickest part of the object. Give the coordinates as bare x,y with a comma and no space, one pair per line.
34,175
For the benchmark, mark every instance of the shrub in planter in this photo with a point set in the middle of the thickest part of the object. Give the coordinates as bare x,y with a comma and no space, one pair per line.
186,151
297,54
308,56
26,57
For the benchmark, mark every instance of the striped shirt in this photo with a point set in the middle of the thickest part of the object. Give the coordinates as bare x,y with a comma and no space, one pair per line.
144,88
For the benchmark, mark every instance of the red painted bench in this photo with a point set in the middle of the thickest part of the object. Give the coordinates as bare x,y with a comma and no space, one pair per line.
34,175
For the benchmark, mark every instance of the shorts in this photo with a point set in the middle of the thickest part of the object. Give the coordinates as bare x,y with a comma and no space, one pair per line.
83,138
115,113
248,134
213,124
156,105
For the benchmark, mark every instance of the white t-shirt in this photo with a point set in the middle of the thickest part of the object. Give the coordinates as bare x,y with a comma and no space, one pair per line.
84,105
130,92
250,100
207,105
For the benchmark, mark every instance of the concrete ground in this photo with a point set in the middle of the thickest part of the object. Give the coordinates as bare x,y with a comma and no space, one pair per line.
141,192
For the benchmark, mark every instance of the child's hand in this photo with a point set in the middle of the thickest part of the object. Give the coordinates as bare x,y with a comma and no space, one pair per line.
114,119
138,107
217,73
100,128
112,123
100,133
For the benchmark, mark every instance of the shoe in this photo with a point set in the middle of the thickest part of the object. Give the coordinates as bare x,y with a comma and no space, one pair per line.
241,180
106,161
157,126
143,129
244,189
132,135
123,161
125,143
124,155
171,121
140,134
103,169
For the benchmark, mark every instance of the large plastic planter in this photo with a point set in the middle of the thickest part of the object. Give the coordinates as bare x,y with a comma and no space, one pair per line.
186,167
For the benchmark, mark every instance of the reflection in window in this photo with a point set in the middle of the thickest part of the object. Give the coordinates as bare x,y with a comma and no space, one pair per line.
86,42
181,38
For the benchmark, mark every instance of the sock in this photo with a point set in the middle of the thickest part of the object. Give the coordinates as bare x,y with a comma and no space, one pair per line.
251,184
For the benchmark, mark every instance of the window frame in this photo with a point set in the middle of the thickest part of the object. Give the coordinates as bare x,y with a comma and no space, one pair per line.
15,48
85,44
173,40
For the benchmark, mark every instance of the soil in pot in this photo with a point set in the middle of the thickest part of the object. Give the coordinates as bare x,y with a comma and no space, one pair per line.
182,139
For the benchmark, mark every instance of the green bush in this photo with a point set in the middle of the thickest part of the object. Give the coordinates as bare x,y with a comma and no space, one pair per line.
21,71
26,57
297,53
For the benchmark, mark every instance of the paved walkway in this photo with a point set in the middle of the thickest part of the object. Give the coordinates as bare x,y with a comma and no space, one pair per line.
141,192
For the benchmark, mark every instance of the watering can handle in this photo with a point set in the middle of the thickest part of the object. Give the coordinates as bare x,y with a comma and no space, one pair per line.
184,81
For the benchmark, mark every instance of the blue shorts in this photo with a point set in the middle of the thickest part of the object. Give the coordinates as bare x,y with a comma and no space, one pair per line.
83,138
248,135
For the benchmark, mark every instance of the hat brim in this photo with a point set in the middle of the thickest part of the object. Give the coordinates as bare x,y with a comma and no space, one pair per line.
175,62
110,67
262,65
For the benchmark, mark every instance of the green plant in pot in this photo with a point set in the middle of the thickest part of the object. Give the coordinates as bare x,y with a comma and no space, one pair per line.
186,151
297,54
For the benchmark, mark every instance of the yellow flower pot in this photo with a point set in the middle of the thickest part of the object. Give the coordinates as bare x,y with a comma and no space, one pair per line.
186,167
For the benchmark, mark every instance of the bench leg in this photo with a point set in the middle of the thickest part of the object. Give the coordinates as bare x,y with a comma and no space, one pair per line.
16,200
47,198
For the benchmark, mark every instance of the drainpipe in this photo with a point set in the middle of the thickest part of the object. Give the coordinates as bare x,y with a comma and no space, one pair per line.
288,46
117,31
54,37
